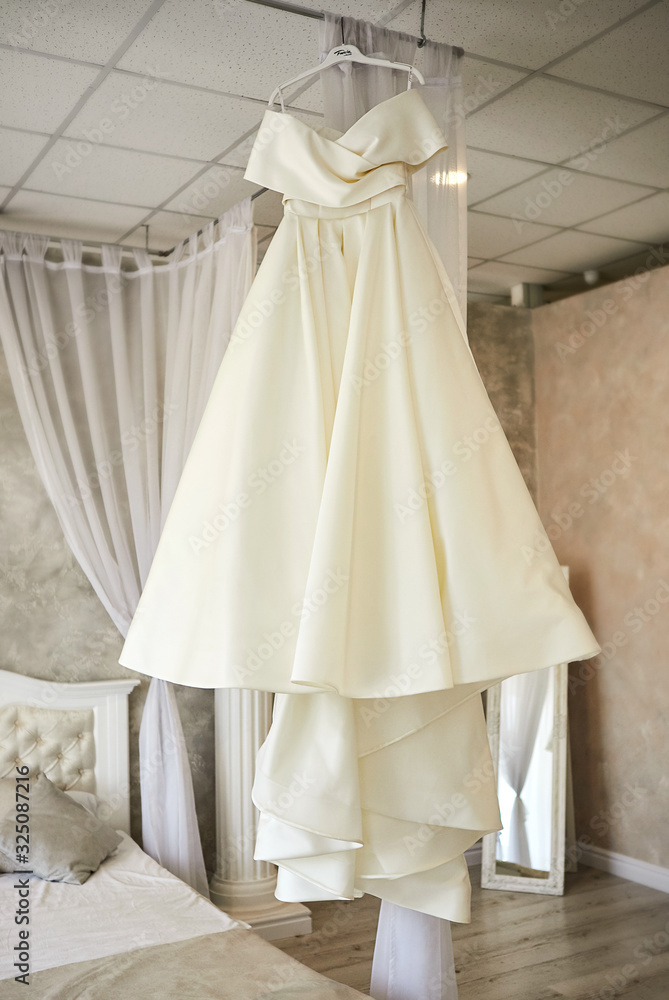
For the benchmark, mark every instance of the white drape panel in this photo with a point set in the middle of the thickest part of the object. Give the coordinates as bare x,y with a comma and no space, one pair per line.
111,370
170,832
413,957
523,705
439,189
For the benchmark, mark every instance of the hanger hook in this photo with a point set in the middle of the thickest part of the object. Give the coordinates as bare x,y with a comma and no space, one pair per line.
423,39
341,25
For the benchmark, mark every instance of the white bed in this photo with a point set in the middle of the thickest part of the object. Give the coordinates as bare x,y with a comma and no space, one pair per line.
132,930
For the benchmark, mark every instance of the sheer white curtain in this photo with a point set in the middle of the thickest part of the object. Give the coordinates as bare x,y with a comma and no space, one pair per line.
526,725
439,189
111,369
413,957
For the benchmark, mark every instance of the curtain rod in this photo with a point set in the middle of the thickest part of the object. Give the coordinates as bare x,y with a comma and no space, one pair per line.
55,241
319,15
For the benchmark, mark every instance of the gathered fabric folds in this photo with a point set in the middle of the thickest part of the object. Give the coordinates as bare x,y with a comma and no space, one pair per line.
352,532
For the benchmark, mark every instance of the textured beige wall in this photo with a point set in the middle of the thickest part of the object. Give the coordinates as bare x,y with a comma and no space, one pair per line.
602,404
52,624
501,341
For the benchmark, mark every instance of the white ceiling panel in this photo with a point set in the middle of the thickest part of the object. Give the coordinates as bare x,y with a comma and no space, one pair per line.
73,28
490,236
631,60
165,230
232,46
75,218
193,85
491,172
547,120
17,152
151,114
496,276
214,192
39,92
563,198
73,167
648,220
573,251
525,32
482,80
642,155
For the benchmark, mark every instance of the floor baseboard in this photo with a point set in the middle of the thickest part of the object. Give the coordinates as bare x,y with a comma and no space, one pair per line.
654,876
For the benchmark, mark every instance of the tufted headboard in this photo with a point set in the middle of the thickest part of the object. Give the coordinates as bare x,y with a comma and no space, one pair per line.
76,733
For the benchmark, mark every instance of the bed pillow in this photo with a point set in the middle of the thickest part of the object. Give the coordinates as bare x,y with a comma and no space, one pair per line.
91,803
67,843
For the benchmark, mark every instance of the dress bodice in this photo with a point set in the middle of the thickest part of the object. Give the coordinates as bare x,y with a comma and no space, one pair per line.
375,155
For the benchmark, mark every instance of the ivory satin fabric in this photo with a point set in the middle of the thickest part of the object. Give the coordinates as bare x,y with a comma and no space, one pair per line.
351,531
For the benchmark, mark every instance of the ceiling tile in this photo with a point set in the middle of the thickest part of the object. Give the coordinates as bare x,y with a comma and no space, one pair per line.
165,230
496,276
43,91
530,32
482,80
631,60
232,46
17,152
647,220
547,120
490,173
76,218
74,28
473,261
573,251
563,198
493,235
162,117
88,171
641,155
214,192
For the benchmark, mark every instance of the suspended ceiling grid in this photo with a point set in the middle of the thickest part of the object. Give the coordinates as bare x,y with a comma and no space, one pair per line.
122,114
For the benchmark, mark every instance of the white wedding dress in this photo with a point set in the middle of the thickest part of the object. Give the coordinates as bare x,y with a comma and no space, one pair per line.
351,531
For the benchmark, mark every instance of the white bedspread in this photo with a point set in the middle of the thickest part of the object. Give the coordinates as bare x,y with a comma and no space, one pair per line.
130,902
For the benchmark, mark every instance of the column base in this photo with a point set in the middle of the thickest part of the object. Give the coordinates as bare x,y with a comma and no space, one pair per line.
254,902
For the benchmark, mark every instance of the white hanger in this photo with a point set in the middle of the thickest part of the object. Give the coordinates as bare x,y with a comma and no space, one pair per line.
342,54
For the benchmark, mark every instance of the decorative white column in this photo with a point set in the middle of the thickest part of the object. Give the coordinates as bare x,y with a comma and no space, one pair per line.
241,886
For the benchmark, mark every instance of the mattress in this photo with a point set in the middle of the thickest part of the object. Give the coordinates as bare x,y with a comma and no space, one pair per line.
133,930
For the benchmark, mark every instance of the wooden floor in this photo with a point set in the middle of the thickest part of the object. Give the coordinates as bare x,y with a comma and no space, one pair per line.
605,939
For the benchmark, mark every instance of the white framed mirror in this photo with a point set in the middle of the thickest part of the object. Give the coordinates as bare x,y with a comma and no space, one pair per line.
527,730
